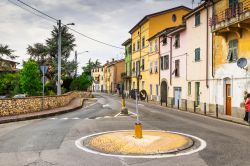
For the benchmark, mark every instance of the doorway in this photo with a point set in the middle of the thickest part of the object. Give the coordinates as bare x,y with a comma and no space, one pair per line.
228,100
197,94
177,96
164,92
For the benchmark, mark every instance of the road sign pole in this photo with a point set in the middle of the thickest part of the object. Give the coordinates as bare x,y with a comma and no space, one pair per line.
43,89
136,106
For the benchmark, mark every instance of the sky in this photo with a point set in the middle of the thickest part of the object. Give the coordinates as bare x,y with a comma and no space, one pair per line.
106,20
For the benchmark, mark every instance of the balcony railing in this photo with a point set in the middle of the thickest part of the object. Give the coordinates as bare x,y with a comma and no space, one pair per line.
231,12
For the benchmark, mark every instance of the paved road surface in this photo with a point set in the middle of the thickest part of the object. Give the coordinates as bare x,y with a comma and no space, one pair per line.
51,141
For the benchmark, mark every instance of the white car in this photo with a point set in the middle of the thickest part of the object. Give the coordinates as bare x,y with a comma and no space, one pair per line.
20,96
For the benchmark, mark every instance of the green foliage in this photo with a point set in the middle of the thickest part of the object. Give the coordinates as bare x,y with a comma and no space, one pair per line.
90,65
9,84
30,79
66,83
5,50
49,88
80,83
38,52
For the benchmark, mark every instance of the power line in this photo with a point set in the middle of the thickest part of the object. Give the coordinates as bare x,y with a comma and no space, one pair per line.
30,11
37,10
86,36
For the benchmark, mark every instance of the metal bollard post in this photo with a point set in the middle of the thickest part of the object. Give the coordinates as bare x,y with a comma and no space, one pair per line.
178,104
186,105
194,107
217,111
205,109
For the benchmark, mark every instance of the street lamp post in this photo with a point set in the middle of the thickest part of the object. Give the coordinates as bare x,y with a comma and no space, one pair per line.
76,60
59,56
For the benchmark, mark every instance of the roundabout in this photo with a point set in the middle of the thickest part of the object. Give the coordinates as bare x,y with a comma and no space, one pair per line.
153,144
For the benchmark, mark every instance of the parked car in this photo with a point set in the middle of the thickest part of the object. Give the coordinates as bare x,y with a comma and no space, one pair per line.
20,96
3,97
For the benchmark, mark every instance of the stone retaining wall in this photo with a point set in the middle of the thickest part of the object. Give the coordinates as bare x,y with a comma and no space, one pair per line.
13,106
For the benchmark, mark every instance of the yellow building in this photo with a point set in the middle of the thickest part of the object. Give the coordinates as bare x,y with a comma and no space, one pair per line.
113,75
145,54
231,37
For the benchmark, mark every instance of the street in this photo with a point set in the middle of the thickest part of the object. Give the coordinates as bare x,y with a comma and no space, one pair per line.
51,141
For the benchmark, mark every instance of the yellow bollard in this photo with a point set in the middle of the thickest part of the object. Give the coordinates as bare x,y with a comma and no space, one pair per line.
138,130
123,103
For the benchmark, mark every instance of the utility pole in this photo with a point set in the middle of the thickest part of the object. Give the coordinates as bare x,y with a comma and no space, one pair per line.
76,63
59,56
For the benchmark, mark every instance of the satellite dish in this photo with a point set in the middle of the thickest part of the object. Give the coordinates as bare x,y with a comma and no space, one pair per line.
242,63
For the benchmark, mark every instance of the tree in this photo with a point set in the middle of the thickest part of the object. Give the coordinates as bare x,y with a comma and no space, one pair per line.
89,66
80,83
30,79
9,84
5,50
38,52
68,43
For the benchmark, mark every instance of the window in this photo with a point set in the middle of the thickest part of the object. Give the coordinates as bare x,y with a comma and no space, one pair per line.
133,47
156,89
233,3
151,67
189,88
130,49
197,53
197,19
233,51
164,41
166,62
174,18
102,77
102,69
138,44
156,66
143,42
133,69
142,64
151,89
162,63
177,41
137,68
156,45
133,85
142,84
177,68
150,46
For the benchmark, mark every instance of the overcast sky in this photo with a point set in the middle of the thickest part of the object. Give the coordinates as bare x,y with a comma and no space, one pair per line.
105,20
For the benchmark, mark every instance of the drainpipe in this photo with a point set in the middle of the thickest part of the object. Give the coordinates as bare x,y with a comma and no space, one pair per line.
212,44
159,59
171,51
207,47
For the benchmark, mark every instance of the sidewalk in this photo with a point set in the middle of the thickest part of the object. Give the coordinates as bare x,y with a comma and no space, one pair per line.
212,115
73,105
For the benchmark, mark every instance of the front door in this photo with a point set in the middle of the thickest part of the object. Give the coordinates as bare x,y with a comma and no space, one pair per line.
177,96
228,99
164,93
197,94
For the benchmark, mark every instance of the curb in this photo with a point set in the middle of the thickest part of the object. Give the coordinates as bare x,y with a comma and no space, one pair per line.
43,115
227,120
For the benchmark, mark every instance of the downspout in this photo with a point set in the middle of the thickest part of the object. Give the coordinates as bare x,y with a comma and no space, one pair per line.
159,58
171,59
207,48
212,43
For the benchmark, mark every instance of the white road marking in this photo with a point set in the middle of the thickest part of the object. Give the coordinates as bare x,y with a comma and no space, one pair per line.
52,118
90,105
86,119
64,118
202,146
107,116
141,105
117,114
76,118
98,117
132,113
106,105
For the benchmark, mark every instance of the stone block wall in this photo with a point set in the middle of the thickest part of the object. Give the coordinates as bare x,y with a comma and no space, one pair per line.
9,107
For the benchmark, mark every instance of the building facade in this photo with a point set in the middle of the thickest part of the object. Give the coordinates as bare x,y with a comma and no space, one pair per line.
128,66
143,58
115,69
98,79
7,66
231,37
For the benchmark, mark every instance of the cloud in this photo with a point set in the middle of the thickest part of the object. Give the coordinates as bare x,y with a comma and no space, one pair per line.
108,21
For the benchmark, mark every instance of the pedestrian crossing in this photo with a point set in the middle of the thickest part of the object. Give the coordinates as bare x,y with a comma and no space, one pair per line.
77,118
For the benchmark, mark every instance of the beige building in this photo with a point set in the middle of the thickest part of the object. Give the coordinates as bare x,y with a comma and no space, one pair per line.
98,79
113,75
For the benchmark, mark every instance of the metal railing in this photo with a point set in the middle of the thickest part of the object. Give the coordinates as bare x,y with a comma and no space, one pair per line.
231,12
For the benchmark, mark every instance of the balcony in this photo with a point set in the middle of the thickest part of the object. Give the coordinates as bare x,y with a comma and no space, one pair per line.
235,17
